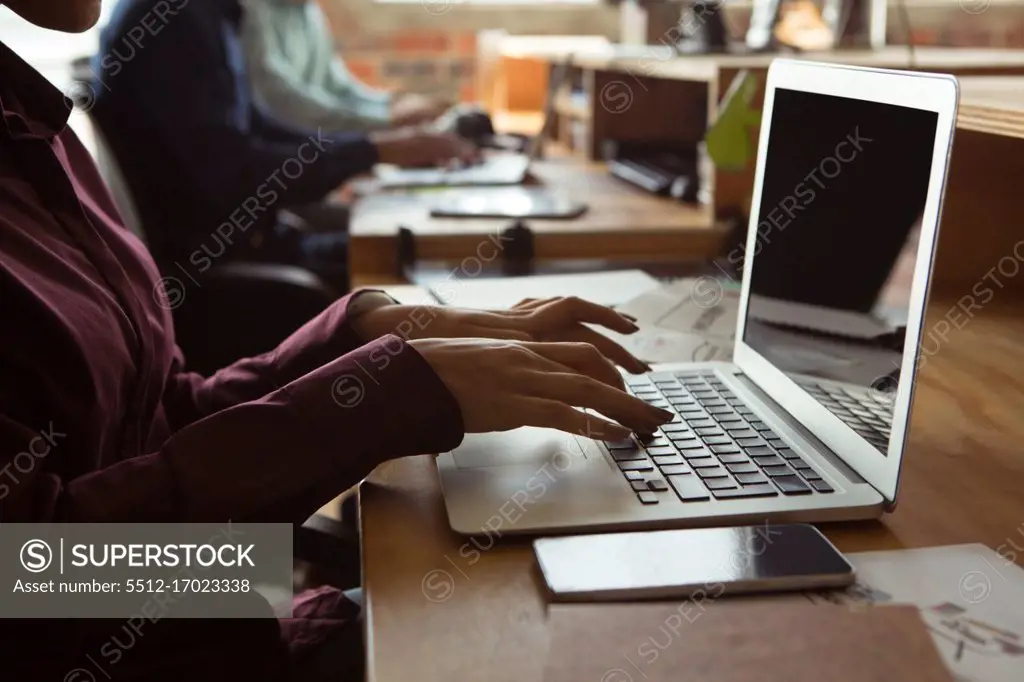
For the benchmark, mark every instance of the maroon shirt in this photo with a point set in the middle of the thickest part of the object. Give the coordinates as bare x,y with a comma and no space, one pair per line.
95,391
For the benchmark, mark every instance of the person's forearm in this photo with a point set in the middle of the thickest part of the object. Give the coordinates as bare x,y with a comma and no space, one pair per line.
278,458
334,332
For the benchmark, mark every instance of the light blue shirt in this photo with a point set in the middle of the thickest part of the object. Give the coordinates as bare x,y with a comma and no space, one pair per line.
297,75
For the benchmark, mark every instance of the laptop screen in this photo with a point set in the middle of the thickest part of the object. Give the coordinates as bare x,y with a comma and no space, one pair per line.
845,183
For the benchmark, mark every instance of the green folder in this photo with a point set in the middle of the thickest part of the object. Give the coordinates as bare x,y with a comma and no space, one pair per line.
728,141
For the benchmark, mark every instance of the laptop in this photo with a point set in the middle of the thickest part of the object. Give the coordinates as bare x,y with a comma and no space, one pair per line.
495,169
801,425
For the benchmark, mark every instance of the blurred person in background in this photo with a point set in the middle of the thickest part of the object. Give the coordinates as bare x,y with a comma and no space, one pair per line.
297,73
209,169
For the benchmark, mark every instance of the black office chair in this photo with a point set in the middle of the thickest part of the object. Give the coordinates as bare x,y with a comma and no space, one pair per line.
240,310
327,216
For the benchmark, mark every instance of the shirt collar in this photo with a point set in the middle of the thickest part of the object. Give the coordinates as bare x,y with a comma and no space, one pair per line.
30,105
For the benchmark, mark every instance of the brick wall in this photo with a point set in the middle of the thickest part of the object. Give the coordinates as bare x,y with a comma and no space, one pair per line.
429,45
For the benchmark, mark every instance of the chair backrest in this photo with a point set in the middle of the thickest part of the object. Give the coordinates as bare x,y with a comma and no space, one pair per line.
116,183
103,154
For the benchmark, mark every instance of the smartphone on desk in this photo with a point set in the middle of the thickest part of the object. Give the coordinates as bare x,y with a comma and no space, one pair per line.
669,564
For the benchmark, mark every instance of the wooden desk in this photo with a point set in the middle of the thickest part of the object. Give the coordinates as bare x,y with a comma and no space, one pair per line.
623,223
441,608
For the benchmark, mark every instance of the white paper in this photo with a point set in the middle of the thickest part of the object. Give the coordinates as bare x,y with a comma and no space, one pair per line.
606,288
971,599
652,344
674,328
672,308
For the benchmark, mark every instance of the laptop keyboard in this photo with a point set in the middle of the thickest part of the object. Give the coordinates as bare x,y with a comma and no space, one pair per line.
716,447
866,412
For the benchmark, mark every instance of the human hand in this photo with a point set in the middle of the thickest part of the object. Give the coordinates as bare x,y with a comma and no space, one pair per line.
413,109
503,385
550,319
418,147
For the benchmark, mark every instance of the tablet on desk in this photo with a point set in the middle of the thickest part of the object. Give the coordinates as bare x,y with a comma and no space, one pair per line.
505,202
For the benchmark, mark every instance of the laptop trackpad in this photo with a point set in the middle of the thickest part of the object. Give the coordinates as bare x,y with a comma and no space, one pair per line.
526,446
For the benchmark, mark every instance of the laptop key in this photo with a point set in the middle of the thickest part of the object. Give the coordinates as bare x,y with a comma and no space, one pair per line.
657,485
709,432
638,485
777,471
799,464
742,431
668,450
701,462
720,483
809,474
643,465
711,472
758,490
742,468
791,485
633,475
625,444
718,441
689,488
751,442
675,428
647,497
759,451
661,460
788,453
733,458
724,449
684,439
654,441
702,423
821,486
751,478
672,469
627,455
758,425
769,461
720,409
